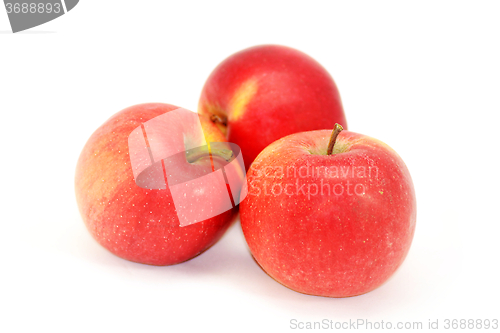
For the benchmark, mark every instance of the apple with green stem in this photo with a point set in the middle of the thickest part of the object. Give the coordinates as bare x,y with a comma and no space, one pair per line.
150,190
272,90
329,213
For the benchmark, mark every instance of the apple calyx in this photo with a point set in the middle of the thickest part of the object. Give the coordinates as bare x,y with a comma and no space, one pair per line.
336,131
219,118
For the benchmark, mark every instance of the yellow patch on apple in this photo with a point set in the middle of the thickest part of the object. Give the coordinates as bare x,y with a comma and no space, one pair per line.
242,97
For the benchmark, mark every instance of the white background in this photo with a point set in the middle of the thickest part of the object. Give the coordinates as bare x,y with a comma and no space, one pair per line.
423,77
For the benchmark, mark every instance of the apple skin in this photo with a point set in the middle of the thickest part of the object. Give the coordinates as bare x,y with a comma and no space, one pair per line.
330,243
135,223
267,92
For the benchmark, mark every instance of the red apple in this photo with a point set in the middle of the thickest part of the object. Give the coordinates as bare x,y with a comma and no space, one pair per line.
264,93
334,225
123,194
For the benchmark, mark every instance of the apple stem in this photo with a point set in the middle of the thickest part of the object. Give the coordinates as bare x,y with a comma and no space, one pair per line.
216,118
336,131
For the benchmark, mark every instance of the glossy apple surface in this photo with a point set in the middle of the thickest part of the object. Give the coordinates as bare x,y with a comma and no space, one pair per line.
137,223
264,93
334,225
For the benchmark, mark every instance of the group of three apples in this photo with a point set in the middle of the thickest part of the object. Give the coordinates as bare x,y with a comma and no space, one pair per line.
324,211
